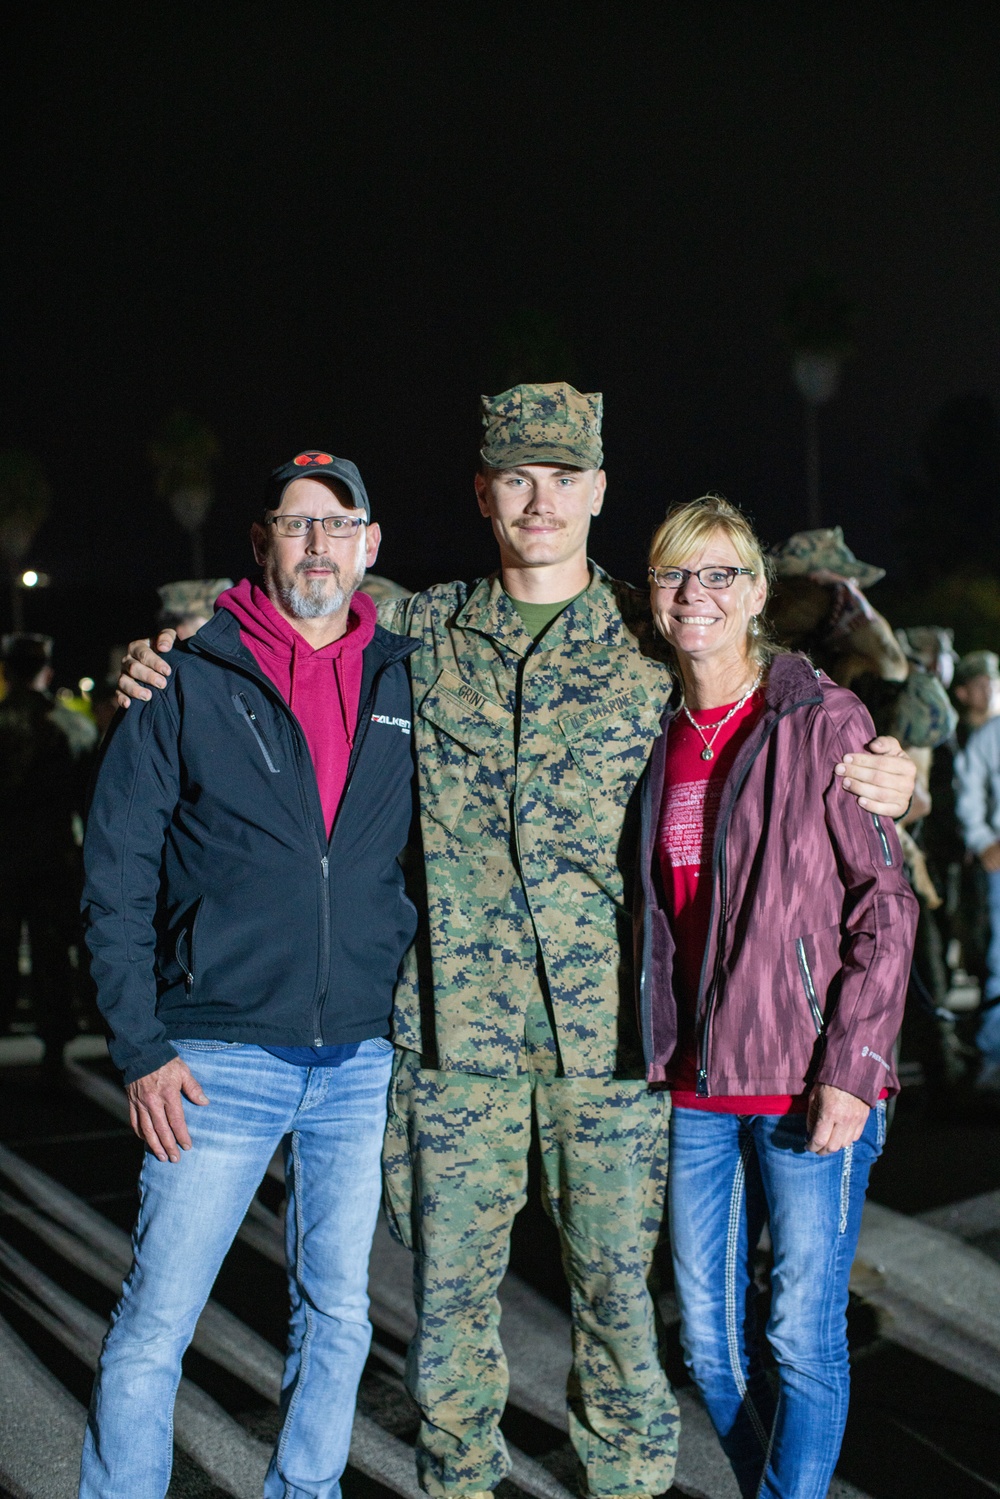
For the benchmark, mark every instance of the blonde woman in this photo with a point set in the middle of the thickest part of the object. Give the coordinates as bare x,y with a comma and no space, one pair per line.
775,931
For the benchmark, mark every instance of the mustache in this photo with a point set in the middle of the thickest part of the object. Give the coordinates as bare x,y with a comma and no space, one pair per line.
317,566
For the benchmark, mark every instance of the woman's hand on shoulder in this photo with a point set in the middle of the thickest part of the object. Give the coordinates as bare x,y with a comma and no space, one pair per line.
834,1119
882,778
141,664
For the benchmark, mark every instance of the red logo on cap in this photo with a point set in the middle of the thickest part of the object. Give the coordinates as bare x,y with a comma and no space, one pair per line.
306,458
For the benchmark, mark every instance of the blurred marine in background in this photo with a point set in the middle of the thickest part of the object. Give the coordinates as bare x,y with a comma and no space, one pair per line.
44,768
820,606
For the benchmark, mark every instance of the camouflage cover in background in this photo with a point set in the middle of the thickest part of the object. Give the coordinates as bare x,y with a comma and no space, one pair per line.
917,712
527,759
192,596
822,550
383,589
542,424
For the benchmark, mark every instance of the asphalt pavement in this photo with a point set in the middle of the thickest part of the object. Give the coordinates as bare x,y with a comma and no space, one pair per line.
924,1318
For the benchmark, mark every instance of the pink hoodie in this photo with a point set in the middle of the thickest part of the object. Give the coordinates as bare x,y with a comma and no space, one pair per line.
322,687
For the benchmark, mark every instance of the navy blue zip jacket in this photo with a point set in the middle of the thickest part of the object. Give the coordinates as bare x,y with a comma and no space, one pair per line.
216,908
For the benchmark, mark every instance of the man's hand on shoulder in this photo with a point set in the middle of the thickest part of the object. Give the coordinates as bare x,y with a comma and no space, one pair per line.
156,1112
882,778
141,664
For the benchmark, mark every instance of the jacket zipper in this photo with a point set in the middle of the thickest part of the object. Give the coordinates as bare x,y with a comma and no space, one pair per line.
886,851
809,986
701,1074
187,968
244,709
364,720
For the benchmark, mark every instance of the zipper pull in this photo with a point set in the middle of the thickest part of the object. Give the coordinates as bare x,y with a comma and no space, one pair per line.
324,864
701,1083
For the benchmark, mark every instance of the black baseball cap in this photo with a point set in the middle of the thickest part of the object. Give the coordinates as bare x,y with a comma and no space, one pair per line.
315,463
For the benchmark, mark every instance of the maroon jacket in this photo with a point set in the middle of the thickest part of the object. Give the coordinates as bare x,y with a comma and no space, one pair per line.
811,931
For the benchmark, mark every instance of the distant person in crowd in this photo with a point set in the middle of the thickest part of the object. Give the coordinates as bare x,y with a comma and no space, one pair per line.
774,943
246,920
187,605
977,806
537,692
819,606
932,648
976,690
936,853
42,788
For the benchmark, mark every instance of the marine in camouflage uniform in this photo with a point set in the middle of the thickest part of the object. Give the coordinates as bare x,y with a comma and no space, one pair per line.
518,997
903,699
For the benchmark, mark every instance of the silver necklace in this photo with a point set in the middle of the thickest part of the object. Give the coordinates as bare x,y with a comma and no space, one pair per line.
708,753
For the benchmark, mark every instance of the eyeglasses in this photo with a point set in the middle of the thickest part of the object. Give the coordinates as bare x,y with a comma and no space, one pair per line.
340,527
712,578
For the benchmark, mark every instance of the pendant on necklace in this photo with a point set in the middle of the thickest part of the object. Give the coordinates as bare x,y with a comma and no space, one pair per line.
707,754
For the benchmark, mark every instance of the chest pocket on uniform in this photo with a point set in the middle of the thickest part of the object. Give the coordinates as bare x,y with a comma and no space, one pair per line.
610,744
458,726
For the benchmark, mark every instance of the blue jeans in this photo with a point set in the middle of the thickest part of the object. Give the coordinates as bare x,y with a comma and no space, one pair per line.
988,1034
729,1174
331,1120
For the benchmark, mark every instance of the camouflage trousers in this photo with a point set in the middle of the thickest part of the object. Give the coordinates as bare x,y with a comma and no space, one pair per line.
455,1167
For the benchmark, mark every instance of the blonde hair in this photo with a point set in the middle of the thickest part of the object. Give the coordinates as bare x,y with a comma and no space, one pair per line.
686,530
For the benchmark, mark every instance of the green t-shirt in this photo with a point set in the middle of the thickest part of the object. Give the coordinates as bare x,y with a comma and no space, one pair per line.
536,618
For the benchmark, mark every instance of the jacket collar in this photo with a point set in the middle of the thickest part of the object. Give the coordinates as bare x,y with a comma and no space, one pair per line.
220,637
594,617
792,681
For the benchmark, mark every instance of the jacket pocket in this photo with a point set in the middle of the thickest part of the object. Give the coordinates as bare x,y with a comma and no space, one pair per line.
883,842
805,974
457,734
610,744
244,708
816,957
184,944
175,950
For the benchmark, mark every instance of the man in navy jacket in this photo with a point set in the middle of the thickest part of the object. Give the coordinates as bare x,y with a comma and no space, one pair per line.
246,919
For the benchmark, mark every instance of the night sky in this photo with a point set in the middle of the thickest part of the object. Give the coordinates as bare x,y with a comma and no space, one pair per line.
327,225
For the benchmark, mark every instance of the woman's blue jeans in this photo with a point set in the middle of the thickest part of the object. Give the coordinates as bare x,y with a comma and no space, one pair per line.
333,1118
729,1174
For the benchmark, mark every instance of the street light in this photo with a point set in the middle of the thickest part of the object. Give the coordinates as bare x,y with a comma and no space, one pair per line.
817,379
819,326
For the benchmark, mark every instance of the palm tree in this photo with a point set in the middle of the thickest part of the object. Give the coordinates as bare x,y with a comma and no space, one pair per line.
24,504
182,453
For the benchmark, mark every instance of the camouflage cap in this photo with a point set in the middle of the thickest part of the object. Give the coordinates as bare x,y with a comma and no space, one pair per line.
976,664
194,596
383,590
924,644
542,424
824,549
